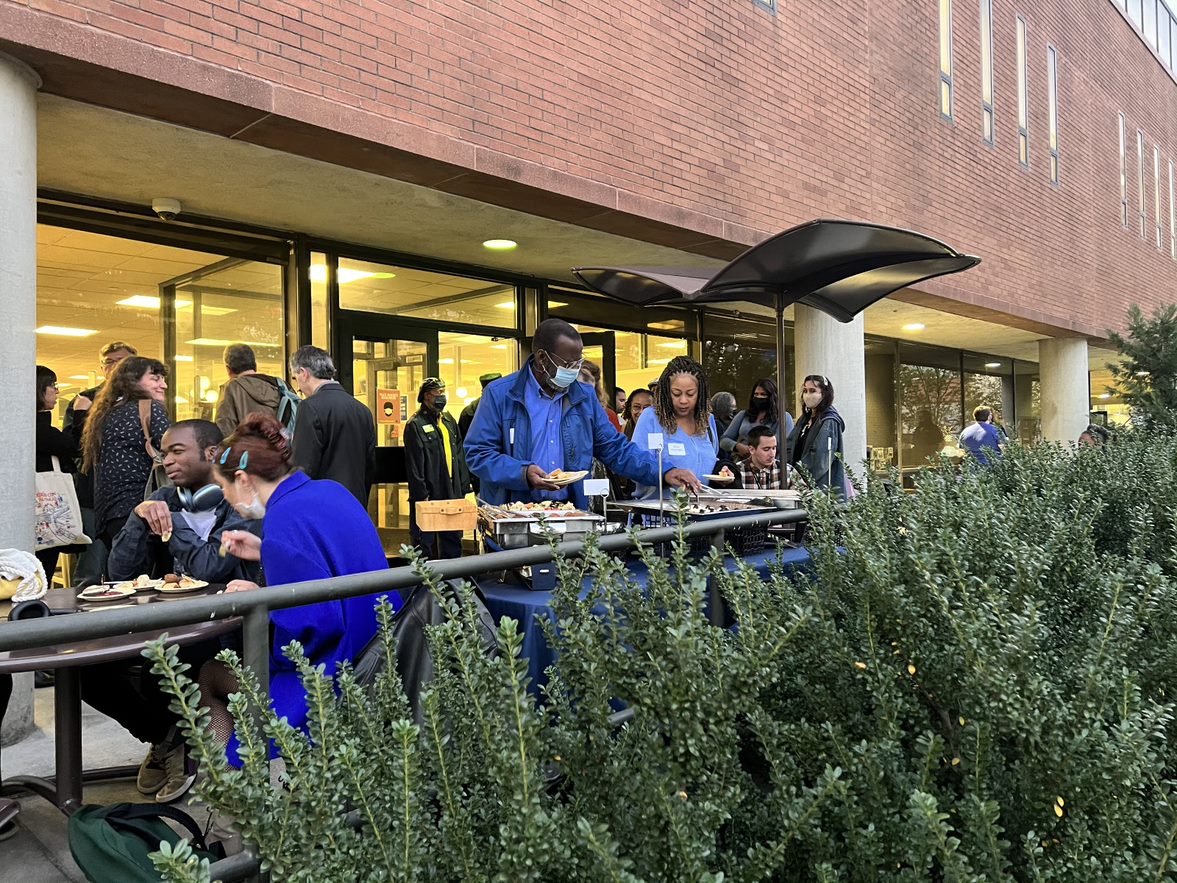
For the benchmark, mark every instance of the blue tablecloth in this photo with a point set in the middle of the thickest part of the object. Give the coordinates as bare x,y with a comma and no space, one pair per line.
528,607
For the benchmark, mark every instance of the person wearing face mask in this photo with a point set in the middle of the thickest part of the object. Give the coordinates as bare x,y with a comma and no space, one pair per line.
436,467
762,410
310,530
815,444
540,419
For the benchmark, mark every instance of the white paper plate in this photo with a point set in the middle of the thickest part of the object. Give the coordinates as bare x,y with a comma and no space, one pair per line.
568,478
103,593
177,589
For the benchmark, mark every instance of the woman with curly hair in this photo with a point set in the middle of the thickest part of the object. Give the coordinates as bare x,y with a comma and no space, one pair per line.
682,414
310,530
114,447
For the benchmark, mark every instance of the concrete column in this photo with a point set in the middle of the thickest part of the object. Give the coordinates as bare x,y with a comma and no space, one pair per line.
826,346
18,317
1066,391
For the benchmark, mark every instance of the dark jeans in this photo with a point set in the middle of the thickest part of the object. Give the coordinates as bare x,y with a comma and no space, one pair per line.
48,559
434,544
111,529
127,691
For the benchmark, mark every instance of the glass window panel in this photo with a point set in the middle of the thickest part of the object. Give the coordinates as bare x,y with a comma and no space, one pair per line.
463,358
1052,95
945,98
1027,395
987,51
946,37
881,430
109,288
1156,191
1140,165
1150,22
422,294
598,312
1136,12
320,302
230,302
987,124
1163,35
738,352
1022,97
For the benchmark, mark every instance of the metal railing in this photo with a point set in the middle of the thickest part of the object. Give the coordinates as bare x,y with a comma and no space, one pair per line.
254,607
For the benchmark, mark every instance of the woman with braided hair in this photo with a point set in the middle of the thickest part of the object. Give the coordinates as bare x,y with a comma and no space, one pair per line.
682,414
310,530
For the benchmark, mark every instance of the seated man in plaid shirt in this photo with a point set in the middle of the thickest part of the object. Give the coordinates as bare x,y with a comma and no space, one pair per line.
761,470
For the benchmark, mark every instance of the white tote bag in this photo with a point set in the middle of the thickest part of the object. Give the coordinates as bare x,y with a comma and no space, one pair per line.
58,515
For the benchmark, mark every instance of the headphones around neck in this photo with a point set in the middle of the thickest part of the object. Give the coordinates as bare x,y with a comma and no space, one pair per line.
201,500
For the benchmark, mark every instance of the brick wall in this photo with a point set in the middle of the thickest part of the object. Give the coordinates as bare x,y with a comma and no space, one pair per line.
720,108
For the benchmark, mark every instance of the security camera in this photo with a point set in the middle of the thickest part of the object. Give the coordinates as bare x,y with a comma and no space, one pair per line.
167,209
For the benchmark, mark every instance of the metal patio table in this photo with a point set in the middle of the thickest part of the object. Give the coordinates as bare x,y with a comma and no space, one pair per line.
65,788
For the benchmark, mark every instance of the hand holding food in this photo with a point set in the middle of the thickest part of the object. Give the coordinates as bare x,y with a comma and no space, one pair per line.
538,479
241,544
158,517
724,476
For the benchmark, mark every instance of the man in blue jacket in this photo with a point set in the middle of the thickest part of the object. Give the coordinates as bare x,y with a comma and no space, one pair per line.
540,419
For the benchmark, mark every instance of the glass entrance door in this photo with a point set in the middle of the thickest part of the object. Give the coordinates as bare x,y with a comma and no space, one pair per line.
383,363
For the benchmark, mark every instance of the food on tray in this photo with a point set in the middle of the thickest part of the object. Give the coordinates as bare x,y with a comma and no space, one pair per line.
181,583
548,506
170,578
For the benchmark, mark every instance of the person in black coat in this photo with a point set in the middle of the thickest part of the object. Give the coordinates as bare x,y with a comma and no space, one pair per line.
52,442
436,466
334,436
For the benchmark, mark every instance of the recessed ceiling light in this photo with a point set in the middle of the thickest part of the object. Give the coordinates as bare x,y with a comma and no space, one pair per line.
462,392
674,345
346,274
445,361
914,326
498,346
1105,395
148,302
61,385
499,244
79,377
62,331
993,364
216,341
183,358
506,305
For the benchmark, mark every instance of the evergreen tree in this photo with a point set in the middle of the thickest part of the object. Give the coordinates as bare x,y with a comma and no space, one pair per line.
1146,376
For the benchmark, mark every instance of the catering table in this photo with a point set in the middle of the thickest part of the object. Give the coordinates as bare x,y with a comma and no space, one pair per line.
66,788
530,608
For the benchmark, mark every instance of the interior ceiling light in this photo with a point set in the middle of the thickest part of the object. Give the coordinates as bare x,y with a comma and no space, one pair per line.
183,358
216,341
346,274
993,364
674,345
1142,374
62,331
500,244
148,302
79,377
508,305
914,326
662,326
1105,395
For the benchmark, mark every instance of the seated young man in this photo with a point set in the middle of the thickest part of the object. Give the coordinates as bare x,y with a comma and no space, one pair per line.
177,530
761,470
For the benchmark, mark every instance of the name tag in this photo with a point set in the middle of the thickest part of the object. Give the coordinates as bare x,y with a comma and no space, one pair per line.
676,449
427,429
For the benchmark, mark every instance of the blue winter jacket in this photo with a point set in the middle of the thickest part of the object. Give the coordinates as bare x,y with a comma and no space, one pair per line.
498,446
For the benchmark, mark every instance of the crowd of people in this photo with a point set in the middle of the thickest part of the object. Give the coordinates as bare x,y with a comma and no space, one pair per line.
274,490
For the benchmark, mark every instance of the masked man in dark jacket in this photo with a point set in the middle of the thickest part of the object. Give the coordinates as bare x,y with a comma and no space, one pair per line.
436,466
178,530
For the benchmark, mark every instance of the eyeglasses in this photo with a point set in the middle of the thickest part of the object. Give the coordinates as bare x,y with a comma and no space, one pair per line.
560,363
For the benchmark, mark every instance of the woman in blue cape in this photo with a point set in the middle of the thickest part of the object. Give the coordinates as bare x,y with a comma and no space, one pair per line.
310,530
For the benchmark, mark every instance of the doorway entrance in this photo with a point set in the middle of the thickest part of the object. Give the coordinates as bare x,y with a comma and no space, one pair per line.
383,361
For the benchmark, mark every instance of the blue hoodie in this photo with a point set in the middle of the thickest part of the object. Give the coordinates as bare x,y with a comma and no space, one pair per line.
498,446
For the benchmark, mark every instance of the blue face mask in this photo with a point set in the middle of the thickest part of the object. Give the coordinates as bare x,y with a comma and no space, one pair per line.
563,377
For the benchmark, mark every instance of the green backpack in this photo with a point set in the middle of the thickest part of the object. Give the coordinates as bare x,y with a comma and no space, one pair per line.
111,844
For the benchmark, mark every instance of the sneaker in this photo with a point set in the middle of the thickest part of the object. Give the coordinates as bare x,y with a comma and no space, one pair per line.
179,776
151,772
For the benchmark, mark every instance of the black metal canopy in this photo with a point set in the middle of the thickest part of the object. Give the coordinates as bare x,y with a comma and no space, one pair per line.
838,267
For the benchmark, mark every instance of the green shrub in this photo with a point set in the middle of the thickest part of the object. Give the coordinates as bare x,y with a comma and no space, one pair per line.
975,683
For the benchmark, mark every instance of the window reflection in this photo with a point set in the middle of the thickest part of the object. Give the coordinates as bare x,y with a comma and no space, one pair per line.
421,294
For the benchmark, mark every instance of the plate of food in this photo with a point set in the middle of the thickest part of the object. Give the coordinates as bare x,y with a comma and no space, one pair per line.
105,592
141,583
175,584
723,476
560,478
